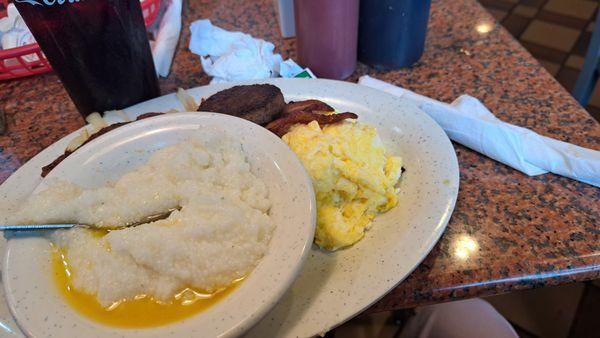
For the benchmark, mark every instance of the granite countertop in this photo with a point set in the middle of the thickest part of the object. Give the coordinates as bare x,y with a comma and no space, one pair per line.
508,231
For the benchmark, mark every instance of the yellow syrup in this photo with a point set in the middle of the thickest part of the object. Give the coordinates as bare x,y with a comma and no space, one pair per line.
140,312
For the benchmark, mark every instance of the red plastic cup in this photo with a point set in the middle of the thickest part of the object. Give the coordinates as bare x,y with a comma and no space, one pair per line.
327,36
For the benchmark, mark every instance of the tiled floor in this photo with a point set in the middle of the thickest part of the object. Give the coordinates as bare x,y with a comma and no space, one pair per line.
556,32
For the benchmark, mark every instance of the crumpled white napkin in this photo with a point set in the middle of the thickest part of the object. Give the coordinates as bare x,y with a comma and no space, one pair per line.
236,56
167,35
14,32
468,122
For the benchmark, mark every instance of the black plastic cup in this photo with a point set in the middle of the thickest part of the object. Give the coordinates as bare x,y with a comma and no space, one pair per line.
98,48
391,33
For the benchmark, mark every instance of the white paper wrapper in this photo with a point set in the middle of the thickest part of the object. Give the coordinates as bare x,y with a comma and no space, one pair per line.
468,122
163,47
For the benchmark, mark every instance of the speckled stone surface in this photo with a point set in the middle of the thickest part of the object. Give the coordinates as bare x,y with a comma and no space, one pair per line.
508,231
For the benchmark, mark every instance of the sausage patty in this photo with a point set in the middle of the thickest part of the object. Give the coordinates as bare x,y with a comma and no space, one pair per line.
259,103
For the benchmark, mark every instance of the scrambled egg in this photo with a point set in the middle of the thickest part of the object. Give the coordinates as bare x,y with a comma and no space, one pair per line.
354,179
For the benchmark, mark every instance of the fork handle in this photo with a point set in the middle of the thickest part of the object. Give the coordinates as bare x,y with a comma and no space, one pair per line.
25,227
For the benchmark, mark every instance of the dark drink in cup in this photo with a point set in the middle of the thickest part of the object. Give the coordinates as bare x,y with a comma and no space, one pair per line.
98,48
326,36
392,32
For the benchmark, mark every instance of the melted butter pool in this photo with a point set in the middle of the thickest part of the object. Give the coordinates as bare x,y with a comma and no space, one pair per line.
140,312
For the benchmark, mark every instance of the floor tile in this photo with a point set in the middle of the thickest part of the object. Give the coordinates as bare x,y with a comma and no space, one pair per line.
562,20
533,3
575,61
515,24
545,312
550,35
595,98
545,53
498,4
551,67
567,78
586,323
525,11
582,9
498,14
581,46
590,27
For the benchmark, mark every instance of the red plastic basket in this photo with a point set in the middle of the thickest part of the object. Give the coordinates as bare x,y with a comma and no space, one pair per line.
150,10
29,60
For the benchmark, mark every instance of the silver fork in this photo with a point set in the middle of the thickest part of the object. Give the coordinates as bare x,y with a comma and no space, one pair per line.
53,226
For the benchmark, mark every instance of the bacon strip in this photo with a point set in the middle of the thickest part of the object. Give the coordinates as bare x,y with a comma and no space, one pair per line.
306,105
46,169
283,124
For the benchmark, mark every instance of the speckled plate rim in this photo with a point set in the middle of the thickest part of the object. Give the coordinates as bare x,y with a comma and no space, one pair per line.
26,275
295,315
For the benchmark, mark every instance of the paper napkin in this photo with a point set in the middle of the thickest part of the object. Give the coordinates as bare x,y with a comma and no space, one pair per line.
236,56
468,122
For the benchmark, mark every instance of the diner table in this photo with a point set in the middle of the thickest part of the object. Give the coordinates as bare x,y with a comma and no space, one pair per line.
508,231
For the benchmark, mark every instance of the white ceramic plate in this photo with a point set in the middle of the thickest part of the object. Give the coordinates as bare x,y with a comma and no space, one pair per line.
34,299
333,287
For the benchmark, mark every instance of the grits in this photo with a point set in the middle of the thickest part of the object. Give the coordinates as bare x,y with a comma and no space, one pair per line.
221,232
